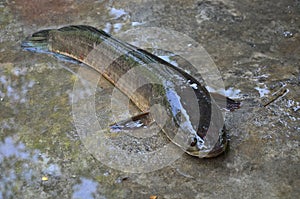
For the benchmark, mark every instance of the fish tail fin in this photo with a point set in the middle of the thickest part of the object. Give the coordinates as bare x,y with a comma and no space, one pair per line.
225,102
37,42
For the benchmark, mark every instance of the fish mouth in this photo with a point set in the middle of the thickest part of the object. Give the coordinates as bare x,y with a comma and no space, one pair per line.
219,148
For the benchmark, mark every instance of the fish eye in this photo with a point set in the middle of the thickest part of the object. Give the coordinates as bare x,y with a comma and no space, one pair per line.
194,142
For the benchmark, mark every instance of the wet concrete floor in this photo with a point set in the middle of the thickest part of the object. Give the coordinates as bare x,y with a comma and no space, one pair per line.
255,46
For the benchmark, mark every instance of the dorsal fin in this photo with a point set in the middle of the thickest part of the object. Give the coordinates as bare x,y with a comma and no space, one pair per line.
84,28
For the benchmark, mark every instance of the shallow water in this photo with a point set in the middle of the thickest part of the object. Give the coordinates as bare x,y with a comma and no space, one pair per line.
256,51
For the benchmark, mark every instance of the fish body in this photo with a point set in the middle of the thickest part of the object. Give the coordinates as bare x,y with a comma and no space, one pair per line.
190,117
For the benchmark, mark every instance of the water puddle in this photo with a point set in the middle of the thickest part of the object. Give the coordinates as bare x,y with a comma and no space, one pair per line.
262,89
85,189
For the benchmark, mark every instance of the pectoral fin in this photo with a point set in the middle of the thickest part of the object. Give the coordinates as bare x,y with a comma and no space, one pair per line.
139,126
141,121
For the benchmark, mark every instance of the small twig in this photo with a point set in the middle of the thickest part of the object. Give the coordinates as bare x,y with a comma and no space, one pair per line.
280,93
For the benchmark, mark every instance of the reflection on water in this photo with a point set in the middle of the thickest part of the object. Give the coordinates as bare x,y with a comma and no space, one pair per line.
117,13
262,89
10,149
15,166
119,19
230,92
14,87
85,189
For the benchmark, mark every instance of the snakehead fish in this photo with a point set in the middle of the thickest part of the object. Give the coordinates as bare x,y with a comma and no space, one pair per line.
190,117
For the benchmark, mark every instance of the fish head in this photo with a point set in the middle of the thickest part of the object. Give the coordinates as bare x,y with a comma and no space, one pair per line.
198,147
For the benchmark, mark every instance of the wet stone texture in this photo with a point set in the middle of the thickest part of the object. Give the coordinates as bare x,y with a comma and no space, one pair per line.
256,47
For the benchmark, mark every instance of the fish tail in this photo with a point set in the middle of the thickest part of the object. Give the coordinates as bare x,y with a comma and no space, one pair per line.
37,42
